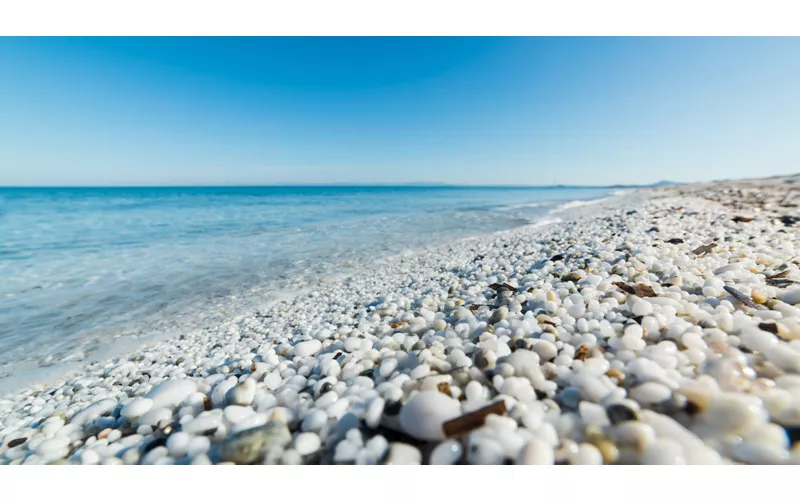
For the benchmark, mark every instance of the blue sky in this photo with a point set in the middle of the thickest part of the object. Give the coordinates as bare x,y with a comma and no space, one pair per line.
595,111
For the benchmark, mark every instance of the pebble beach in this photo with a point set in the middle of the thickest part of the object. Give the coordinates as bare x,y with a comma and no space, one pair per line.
659,326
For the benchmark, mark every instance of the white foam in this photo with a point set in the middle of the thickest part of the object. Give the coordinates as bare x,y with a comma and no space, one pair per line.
578,203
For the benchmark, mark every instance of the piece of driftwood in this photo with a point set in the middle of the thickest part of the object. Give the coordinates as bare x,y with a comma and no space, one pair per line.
703,249
472,420
744,299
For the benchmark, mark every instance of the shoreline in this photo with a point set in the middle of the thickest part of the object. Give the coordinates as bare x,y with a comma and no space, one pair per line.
327,369
232,308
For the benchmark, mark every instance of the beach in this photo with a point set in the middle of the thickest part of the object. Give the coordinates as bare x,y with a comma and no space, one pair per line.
656,326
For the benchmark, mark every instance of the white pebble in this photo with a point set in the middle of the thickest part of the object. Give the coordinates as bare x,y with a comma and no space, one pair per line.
307,443
423,415
171,393
447,452
307,348
136,408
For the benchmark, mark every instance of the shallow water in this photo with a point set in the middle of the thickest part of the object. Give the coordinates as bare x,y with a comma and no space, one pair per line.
80,267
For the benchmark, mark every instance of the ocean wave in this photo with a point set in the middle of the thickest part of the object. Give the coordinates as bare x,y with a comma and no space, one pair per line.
578,203
536,204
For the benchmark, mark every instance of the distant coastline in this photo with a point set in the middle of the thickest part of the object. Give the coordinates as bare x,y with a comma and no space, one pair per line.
350,185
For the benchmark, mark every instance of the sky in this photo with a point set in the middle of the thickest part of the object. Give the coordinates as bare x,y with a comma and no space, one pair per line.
476,111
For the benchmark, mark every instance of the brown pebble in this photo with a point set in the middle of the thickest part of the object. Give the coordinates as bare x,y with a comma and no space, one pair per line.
444,388
104,434
624,287
207,405
616,374
643,290
703,249
16,442
582,352
398,324
771,327
781,274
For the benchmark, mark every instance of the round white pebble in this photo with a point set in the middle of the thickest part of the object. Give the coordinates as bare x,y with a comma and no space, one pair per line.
307,443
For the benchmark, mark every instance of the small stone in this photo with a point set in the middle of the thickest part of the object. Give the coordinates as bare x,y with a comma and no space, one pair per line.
481,450
251,446
618,413
447,452
650,393
424,414
403,454
731,412
388,366
206,423
374,412
53,448
16,442
536,452
642,308
307,348
198,445
314,420
154,416
242,394
136,408
178,443
593,414
587,454
307,443
94,411
663,451
499,314
171,393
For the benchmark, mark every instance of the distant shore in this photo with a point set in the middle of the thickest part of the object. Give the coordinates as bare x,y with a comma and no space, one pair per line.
657,326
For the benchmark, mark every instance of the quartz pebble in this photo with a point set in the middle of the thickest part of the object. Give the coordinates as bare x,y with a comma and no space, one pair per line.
446,453
307,443
243,393
403,454
425,412
136,408
307,348
171,393
536,452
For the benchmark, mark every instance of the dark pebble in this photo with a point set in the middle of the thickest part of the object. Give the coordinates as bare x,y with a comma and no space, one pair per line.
392,408
620,413
793,433
162,441
16,442
769,327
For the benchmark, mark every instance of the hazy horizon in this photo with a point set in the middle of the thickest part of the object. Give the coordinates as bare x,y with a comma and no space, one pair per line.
534,112
332,184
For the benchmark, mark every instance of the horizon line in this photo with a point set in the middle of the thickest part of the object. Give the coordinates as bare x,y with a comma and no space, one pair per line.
432,184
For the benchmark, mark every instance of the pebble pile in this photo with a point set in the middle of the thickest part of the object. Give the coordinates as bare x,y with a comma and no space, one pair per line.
660,327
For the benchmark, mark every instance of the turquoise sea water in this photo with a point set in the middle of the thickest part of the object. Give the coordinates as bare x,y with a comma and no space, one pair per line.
81,268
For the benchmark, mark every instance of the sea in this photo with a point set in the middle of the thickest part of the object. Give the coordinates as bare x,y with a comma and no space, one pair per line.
87,272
